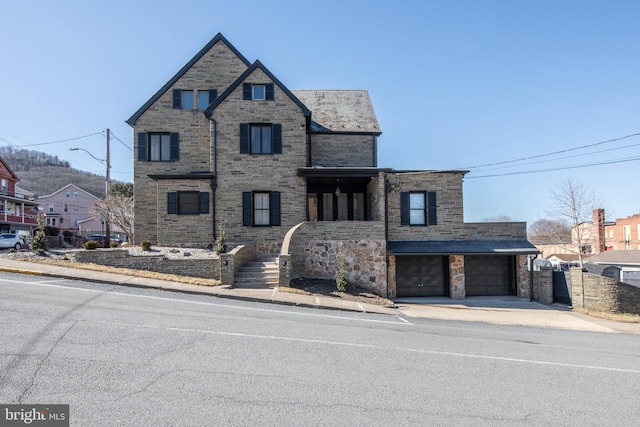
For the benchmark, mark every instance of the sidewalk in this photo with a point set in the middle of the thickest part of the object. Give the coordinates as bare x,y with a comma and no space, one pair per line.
497,310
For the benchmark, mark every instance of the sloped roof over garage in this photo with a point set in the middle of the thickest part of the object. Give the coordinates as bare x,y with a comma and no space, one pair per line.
461,247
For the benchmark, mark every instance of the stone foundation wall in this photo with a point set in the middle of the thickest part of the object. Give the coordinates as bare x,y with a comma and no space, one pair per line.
365,262
603,294
203,268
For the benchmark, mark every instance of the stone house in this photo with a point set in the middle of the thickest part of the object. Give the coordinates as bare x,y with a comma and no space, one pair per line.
294,173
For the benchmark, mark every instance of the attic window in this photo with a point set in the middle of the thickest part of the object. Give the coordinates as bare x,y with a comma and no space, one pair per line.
258,92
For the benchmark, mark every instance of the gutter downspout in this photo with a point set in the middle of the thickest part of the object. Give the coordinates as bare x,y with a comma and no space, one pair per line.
386,226
214,181
531,277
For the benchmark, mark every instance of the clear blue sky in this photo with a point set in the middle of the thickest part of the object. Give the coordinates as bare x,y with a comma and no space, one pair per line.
455,84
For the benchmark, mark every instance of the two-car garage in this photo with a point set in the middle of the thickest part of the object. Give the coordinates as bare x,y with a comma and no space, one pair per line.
422,268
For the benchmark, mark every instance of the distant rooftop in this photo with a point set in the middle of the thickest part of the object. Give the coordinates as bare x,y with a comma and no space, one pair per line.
340,110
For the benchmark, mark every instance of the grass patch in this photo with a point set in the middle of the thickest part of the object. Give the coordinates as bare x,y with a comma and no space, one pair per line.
618,317
127,271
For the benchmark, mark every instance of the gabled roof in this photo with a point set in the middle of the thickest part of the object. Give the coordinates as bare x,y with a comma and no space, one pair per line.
68,186
13,174
340,111
219,37
256,65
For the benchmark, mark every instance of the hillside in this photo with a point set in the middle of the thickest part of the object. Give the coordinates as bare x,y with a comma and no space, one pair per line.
43,173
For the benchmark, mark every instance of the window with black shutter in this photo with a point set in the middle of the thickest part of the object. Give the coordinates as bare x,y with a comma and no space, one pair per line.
158,147
261,208
258,92
418,208
260,138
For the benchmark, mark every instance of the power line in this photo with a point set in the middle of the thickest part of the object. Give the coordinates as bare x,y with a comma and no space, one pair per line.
119,140
62,140
555,152
631,159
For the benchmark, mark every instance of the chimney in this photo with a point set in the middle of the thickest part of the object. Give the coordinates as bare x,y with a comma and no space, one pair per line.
598,232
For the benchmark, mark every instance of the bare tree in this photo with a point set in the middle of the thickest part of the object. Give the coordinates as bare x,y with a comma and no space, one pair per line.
117,210
550,231
573,202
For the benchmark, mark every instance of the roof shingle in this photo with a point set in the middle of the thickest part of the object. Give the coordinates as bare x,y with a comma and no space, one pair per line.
340,110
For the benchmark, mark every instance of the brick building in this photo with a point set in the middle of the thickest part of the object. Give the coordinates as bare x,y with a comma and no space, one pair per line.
224,143
623,234
18,213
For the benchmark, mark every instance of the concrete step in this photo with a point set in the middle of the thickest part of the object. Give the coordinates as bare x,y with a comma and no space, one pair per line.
262,273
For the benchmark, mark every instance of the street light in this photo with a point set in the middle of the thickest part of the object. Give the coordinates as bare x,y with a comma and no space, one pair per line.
107,182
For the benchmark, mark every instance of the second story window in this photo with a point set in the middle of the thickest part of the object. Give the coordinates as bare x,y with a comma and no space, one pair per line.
4,186
50,208
418,208
158,146
260,138
66,207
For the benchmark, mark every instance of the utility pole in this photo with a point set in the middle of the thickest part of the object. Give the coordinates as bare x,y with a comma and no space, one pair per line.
107,190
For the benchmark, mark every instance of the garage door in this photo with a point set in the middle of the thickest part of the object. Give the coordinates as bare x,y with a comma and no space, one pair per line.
421,276
488,275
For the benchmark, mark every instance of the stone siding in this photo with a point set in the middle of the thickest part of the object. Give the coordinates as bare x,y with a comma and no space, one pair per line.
448,188
603,294
456,277
341,150
203,268
543,285
523,276
231,262
238,173
217,69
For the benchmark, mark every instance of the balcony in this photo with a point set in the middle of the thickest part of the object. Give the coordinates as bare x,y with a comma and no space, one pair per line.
18,219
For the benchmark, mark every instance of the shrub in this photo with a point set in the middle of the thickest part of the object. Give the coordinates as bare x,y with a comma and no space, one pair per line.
91,244
39,242
341,273
145,245
220,246
113,244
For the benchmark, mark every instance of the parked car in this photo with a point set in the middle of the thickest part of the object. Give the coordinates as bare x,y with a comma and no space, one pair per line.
8,240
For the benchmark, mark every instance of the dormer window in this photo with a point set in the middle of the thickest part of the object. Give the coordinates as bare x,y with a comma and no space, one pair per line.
258,92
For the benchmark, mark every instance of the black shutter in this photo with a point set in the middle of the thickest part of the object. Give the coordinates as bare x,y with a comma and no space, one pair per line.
405,212
274,202
203,199
244,138
172,203
268,92
177,98
246,208
431,208
247,91
174,146
142,146
276,138
213,94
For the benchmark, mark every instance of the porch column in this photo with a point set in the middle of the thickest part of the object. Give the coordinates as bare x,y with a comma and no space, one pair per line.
456,277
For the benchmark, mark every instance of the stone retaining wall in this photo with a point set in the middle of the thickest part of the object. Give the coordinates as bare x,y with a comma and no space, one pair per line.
203,268
603,294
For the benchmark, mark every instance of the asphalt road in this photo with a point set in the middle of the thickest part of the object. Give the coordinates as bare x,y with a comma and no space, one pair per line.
135,357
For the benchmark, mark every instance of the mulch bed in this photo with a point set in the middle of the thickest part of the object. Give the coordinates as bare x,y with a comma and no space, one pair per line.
327,287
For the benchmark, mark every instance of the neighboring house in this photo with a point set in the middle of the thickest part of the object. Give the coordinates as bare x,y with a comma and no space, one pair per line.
66,207
623,233
225,144
600,235
18,213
